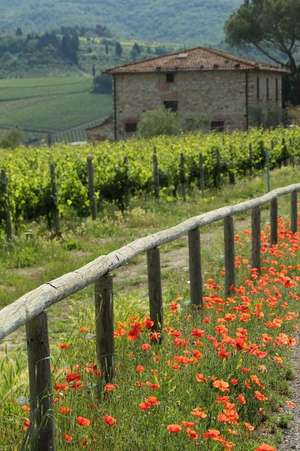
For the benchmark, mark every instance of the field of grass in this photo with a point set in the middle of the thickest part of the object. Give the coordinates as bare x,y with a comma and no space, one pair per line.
53,103
181,392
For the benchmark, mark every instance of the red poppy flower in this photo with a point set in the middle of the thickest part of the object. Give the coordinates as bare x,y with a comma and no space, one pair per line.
265,447
83,421
64,345
26,424
174,428
139,369
109,420
64,410
68,438
110,387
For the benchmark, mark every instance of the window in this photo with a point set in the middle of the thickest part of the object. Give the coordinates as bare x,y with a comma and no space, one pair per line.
217,126
171,105
130,127
277,89
170,77
268,88
257,88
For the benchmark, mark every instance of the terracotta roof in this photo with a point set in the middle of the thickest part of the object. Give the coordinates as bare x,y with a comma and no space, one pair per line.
199,58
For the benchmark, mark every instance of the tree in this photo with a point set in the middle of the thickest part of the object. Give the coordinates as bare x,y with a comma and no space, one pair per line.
118,49
102,84
159,122
70,47
271,26
135,51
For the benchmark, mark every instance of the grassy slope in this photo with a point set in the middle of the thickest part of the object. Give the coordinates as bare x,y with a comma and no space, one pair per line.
52,102
199,21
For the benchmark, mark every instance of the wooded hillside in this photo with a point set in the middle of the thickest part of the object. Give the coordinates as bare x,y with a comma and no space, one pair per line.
200,21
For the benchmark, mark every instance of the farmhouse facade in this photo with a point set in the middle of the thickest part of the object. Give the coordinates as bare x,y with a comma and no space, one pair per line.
206,87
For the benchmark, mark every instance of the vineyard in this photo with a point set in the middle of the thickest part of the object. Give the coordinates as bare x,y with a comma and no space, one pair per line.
165,167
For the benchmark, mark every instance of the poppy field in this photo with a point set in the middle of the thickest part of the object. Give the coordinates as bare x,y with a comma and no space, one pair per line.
217,381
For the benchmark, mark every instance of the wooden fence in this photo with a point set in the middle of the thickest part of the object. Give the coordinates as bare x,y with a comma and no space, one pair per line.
30,309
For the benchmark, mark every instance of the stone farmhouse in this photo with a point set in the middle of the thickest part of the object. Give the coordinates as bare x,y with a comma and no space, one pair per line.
208,87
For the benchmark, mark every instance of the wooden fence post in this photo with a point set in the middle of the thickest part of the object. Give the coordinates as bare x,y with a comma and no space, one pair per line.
255,219
105,325
41,431
201,174
294,211
55,211
196,287
182,179
91,187
5,196
155,290
229,254
274,221
155,174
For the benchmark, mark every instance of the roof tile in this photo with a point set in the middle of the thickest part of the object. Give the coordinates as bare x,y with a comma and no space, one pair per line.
199,58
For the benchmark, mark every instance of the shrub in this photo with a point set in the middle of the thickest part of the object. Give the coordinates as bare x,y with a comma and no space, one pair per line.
12,140
159,122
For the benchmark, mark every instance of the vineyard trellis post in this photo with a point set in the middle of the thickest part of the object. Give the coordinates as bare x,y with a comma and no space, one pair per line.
182,177
155,167
201,174
231,172
250,160
41,432
91,187
267,171
7,212
54,200
217,168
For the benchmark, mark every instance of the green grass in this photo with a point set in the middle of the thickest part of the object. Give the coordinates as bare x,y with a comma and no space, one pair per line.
54,103
29,262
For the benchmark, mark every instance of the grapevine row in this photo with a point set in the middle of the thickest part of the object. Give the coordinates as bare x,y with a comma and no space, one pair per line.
162,167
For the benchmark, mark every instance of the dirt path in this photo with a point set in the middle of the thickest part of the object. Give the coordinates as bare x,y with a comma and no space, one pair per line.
291,439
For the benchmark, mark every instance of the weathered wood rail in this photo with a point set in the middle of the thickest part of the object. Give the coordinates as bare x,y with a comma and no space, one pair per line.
30,309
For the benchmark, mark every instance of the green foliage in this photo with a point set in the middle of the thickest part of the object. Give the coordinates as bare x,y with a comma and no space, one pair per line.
152,20
125,169
12,139
269,25
158,122
102,84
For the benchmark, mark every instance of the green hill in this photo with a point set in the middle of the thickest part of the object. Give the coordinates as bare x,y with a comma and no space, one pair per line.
195,21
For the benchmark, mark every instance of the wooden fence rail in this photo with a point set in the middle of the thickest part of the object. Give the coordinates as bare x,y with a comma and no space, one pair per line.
30,309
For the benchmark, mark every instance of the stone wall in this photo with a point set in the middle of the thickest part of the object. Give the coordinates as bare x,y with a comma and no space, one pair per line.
203,97
101,132
263,110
